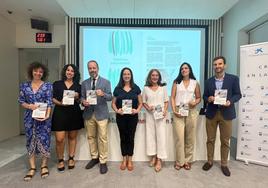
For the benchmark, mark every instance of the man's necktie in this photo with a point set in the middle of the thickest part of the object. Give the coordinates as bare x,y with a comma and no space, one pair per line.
93,84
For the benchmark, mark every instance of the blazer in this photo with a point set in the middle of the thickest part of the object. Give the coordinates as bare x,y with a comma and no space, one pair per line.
101,109
231,83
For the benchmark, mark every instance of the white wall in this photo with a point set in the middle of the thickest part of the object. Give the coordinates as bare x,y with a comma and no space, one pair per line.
25,36
235,22
9,79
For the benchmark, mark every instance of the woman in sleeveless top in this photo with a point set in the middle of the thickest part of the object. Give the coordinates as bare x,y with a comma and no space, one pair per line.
185,96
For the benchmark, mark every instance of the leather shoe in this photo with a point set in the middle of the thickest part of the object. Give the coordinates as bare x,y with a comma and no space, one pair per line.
92,163
225,170
103,168
207,166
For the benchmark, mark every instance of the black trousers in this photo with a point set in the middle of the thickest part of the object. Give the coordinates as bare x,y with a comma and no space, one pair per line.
127,127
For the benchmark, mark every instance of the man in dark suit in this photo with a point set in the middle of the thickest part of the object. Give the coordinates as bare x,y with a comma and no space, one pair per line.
96,115
221,115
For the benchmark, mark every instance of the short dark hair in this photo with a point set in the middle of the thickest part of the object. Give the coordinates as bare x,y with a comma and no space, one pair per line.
220,57
149,81
121,82
180,77
37,65
94,62
76,77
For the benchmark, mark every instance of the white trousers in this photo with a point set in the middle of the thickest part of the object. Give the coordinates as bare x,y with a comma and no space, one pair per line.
155,136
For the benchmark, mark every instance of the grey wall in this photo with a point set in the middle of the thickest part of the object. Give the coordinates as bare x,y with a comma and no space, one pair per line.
9,79
259,34
244,15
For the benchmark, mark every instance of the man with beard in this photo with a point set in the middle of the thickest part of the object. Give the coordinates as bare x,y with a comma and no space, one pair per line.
220,114
95,92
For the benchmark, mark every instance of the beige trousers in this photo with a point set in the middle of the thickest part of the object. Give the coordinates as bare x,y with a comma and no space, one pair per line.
225,135
97,138
185,134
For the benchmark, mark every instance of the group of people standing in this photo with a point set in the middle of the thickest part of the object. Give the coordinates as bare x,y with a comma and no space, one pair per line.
68,119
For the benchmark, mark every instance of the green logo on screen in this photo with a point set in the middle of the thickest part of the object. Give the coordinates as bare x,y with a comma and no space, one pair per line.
120,43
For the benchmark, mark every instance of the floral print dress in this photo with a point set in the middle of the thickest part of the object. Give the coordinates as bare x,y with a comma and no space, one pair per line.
37,132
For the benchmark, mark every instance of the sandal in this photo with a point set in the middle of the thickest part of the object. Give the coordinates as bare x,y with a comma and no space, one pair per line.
152,162
29,175
46,173
61,169
71,159
177,166
187,166
123,165
158,165
130,166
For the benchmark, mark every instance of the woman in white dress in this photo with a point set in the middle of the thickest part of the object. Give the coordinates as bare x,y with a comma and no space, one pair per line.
185,96
155,101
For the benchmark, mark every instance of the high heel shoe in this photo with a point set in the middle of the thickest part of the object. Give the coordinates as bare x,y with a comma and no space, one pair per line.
61,169
71,159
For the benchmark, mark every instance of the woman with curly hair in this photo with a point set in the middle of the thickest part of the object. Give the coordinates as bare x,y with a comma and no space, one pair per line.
37,130
67,117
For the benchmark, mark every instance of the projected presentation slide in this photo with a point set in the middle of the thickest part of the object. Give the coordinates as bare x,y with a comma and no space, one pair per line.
141,49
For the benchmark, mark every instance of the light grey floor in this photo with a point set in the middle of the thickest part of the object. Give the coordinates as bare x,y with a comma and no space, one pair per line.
12,172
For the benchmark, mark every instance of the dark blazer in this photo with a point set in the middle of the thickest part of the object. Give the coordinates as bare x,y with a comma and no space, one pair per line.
101,109
231,83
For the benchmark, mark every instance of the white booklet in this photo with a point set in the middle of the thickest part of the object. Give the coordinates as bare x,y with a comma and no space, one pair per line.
68,97
41,111
91,97
220,96
184,110
158,112
127,106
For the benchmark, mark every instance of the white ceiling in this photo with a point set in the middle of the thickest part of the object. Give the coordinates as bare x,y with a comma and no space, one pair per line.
48,10
55,10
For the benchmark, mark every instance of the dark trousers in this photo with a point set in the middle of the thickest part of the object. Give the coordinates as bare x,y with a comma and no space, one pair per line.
127,127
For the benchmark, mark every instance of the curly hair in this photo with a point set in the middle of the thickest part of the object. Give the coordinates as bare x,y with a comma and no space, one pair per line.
36,65
76,77
149,81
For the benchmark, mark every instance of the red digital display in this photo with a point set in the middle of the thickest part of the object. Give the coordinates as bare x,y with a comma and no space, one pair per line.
43,37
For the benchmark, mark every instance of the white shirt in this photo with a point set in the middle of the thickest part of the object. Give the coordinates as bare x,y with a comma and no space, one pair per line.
96,79
185,95
154,98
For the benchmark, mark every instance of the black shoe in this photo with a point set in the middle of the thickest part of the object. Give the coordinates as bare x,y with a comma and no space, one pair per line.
207,166
92,163
71,159
61,169
103,168
225,170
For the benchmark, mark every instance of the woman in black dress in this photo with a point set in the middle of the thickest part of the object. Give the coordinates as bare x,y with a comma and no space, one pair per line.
67,118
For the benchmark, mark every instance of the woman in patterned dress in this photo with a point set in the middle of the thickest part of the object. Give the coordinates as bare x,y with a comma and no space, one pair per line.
37,130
